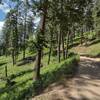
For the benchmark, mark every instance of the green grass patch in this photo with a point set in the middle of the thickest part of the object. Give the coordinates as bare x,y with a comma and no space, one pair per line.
92,50
24,86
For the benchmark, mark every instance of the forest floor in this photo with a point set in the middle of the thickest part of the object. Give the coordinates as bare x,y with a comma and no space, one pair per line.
84,86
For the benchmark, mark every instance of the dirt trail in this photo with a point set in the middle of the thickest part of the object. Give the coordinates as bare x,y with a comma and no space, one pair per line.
84,86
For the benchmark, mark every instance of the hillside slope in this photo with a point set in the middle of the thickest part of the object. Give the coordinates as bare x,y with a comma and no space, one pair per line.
92,50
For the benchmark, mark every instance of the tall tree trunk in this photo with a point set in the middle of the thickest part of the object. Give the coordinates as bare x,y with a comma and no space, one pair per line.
6,72
63,47
49,54
50,48
67,45
81,36
59,46
38,65
73,32
39,51
13,57
74,35
24,52
25,31
24,42
86,30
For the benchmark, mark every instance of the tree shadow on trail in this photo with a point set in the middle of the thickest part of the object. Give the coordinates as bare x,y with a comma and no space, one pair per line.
90,68
87,81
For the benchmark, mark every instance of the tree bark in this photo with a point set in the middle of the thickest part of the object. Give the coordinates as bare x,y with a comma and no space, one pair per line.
13,57
50,48
39,51
25,32
81,36
59,46
63,47
67,45
38,65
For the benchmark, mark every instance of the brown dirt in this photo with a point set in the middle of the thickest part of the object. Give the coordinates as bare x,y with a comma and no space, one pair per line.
84,86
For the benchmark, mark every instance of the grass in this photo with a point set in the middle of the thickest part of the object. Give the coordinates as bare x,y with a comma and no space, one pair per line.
19,74
92,50
57,70
23,75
